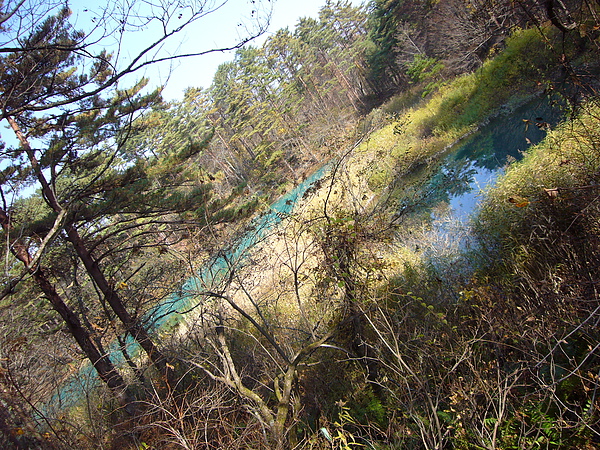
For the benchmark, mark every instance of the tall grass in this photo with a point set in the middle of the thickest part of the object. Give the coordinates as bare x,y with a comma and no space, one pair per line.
418,133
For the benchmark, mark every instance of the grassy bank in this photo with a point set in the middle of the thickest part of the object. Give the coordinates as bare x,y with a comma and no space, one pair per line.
416,131
508,357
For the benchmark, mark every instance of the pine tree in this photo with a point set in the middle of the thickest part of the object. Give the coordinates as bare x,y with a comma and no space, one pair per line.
96,198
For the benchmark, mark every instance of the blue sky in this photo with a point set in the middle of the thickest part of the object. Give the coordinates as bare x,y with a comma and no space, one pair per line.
218,29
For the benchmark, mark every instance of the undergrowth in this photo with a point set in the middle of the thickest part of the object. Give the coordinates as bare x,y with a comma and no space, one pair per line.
508,358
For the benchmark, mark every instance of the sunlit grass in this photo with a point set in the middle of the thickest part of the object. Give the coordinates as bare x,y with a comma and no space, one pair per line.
568,159
419,133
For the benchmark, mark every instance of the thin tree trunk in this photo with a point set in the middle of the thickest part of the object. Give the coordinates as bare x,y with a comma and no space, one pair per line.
111,296
101,362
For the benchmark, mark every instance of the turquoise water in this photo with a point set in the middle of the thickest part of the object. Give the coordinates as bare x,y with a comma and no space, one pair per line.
459,183
233,257
454,188
504,139
172,310
456,181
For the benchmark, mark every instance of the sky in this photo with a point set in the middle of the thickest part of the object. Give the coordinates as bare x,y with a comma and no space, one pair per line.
216,30
219,29
199,71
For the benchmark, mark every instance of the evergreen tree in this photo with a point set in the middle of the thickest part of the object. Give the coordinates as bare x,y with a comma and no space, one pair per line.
382,54
72,125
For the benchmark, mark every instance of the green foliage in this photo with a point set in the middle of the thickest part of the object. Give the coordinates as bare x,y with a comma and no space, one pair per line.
274,106
366,408
462,362
531,227
42,74
343,434
511,73
423,68
383,46
417,137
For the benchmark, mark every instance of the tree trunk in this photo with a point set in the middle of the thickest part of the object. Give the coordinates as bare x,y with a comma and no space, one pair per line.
111,296
133,326
101,362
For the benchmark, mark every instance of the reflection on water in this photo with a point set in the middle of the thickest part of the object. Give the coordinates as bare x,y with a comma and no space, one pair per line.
438,199
475,165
